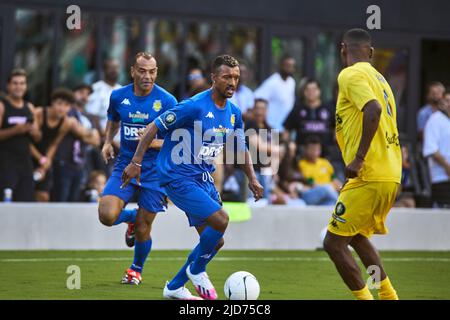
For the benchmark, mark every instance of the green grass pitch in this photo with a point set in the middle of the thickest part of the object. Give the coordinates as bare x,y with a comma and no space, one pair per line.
282,274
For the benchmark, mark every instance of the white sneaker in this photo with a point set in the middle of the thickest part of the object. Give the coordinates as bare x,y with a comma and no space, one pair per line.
202,284
179,294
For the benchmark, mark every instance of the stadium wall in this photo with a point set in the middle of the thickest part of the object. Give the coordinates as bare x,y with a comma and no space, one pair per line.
76,226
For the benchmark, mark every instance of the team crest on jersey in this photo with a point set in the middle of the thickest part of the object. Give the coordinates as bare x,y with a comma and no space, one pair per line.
233,119
157,105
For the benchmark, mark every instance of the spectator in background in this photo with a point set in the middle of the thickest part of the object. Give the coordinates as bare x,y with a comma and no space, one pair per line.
437,148
54,124
196,83
17,129
98,102
320,184
95,186
69,167
279,91
288,178
310,117
435,92
405,196
97,107
260,145
243,97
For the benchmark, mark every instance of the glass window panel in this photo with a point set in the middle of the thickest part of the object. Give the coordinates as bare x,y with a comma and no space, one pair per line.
291,46
33,51
163,41
327,64
202,44
122,43
393,64
243,43
77,58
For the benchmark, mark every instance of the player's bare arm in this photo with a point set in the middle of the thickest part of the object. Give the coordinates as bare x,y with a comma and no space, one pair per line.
437,156
133,170
111,130
34,132
155,144
371,119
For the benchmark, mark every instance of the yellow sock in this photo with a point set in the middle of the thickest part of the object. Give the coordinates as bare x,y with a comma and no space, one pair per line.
387,291
363,294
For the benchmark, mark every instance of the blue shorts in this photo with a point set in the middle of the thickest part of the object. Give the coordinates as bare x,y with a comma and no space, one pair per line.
196,196
151,199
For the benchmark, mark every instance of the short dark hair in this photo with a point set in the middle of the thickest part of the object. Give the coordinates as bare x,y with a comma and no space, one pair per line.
357,36
143,54
16,73
261,100
286,56
82,86
313,140
224,60
63,94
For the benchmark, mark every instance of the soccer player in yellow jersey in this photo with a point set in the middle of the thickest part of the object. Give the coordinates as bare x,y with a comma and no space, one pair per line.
367,134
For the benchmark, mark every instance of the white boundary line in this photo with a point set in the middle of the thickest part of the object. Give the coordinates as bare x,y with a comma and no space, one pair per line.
225,259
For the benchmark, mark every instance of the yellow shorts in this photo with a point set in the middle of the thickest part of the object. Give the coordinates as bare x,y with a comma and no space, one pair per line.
362,208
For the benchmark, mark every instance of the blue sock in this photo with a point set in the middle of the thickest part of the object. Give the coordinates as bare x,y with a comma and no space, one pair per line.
126,215
181,278
141,251
208,241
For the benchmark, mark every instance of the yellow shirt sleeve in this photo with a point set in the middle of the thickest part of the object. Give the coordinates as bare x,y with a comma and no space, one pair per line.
356,88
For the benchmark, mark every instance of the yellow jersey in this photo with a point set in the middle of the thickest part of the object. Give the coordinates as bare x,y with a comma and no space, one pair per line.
359,84
319,172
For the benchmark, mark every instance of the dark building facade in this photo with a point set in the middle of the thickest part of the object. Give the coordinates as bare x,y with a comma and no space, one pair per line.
412,47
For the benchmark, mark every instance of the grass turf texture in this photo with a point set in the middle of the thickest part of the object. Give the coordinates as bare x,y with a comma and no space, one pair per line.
282,274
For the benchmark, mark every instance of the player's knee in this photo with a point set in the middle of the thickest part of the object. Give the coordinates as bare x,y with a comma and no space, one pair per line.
220,244
225,219
330,246
106,215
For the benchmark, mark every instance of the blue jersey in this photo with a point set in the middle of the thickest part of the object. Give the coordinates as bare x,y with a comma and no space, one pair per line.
195,133
135,113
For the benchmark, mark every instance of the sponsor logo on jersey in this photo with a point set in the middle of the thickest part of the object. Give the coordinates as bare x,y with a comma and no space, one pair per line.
221,131
138,117
233,119
210,115
209,151
126,102
131,131
157,106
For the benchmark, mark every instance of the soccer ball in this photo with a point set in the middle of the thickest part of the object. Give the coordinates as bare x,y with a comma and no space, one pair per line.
241,285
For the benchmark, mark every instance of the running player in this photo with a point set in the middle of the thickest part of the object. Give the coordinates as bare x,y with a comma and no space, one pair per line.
205,122
366,131
131,108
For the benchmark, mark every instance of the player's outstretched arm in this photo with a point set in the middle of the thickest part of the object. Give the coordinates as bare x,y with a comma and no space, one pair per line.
371,119
253,183
133,170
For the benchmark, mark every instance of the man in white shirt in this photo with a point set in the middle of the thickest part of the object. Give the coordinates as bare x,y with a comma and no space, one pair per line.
279,91
435,92
437,148
98,102
243,97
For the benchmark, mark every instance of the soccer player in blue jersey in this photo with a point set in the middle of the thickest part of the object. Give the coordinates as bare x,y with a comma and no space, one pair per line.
131,109
206,123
